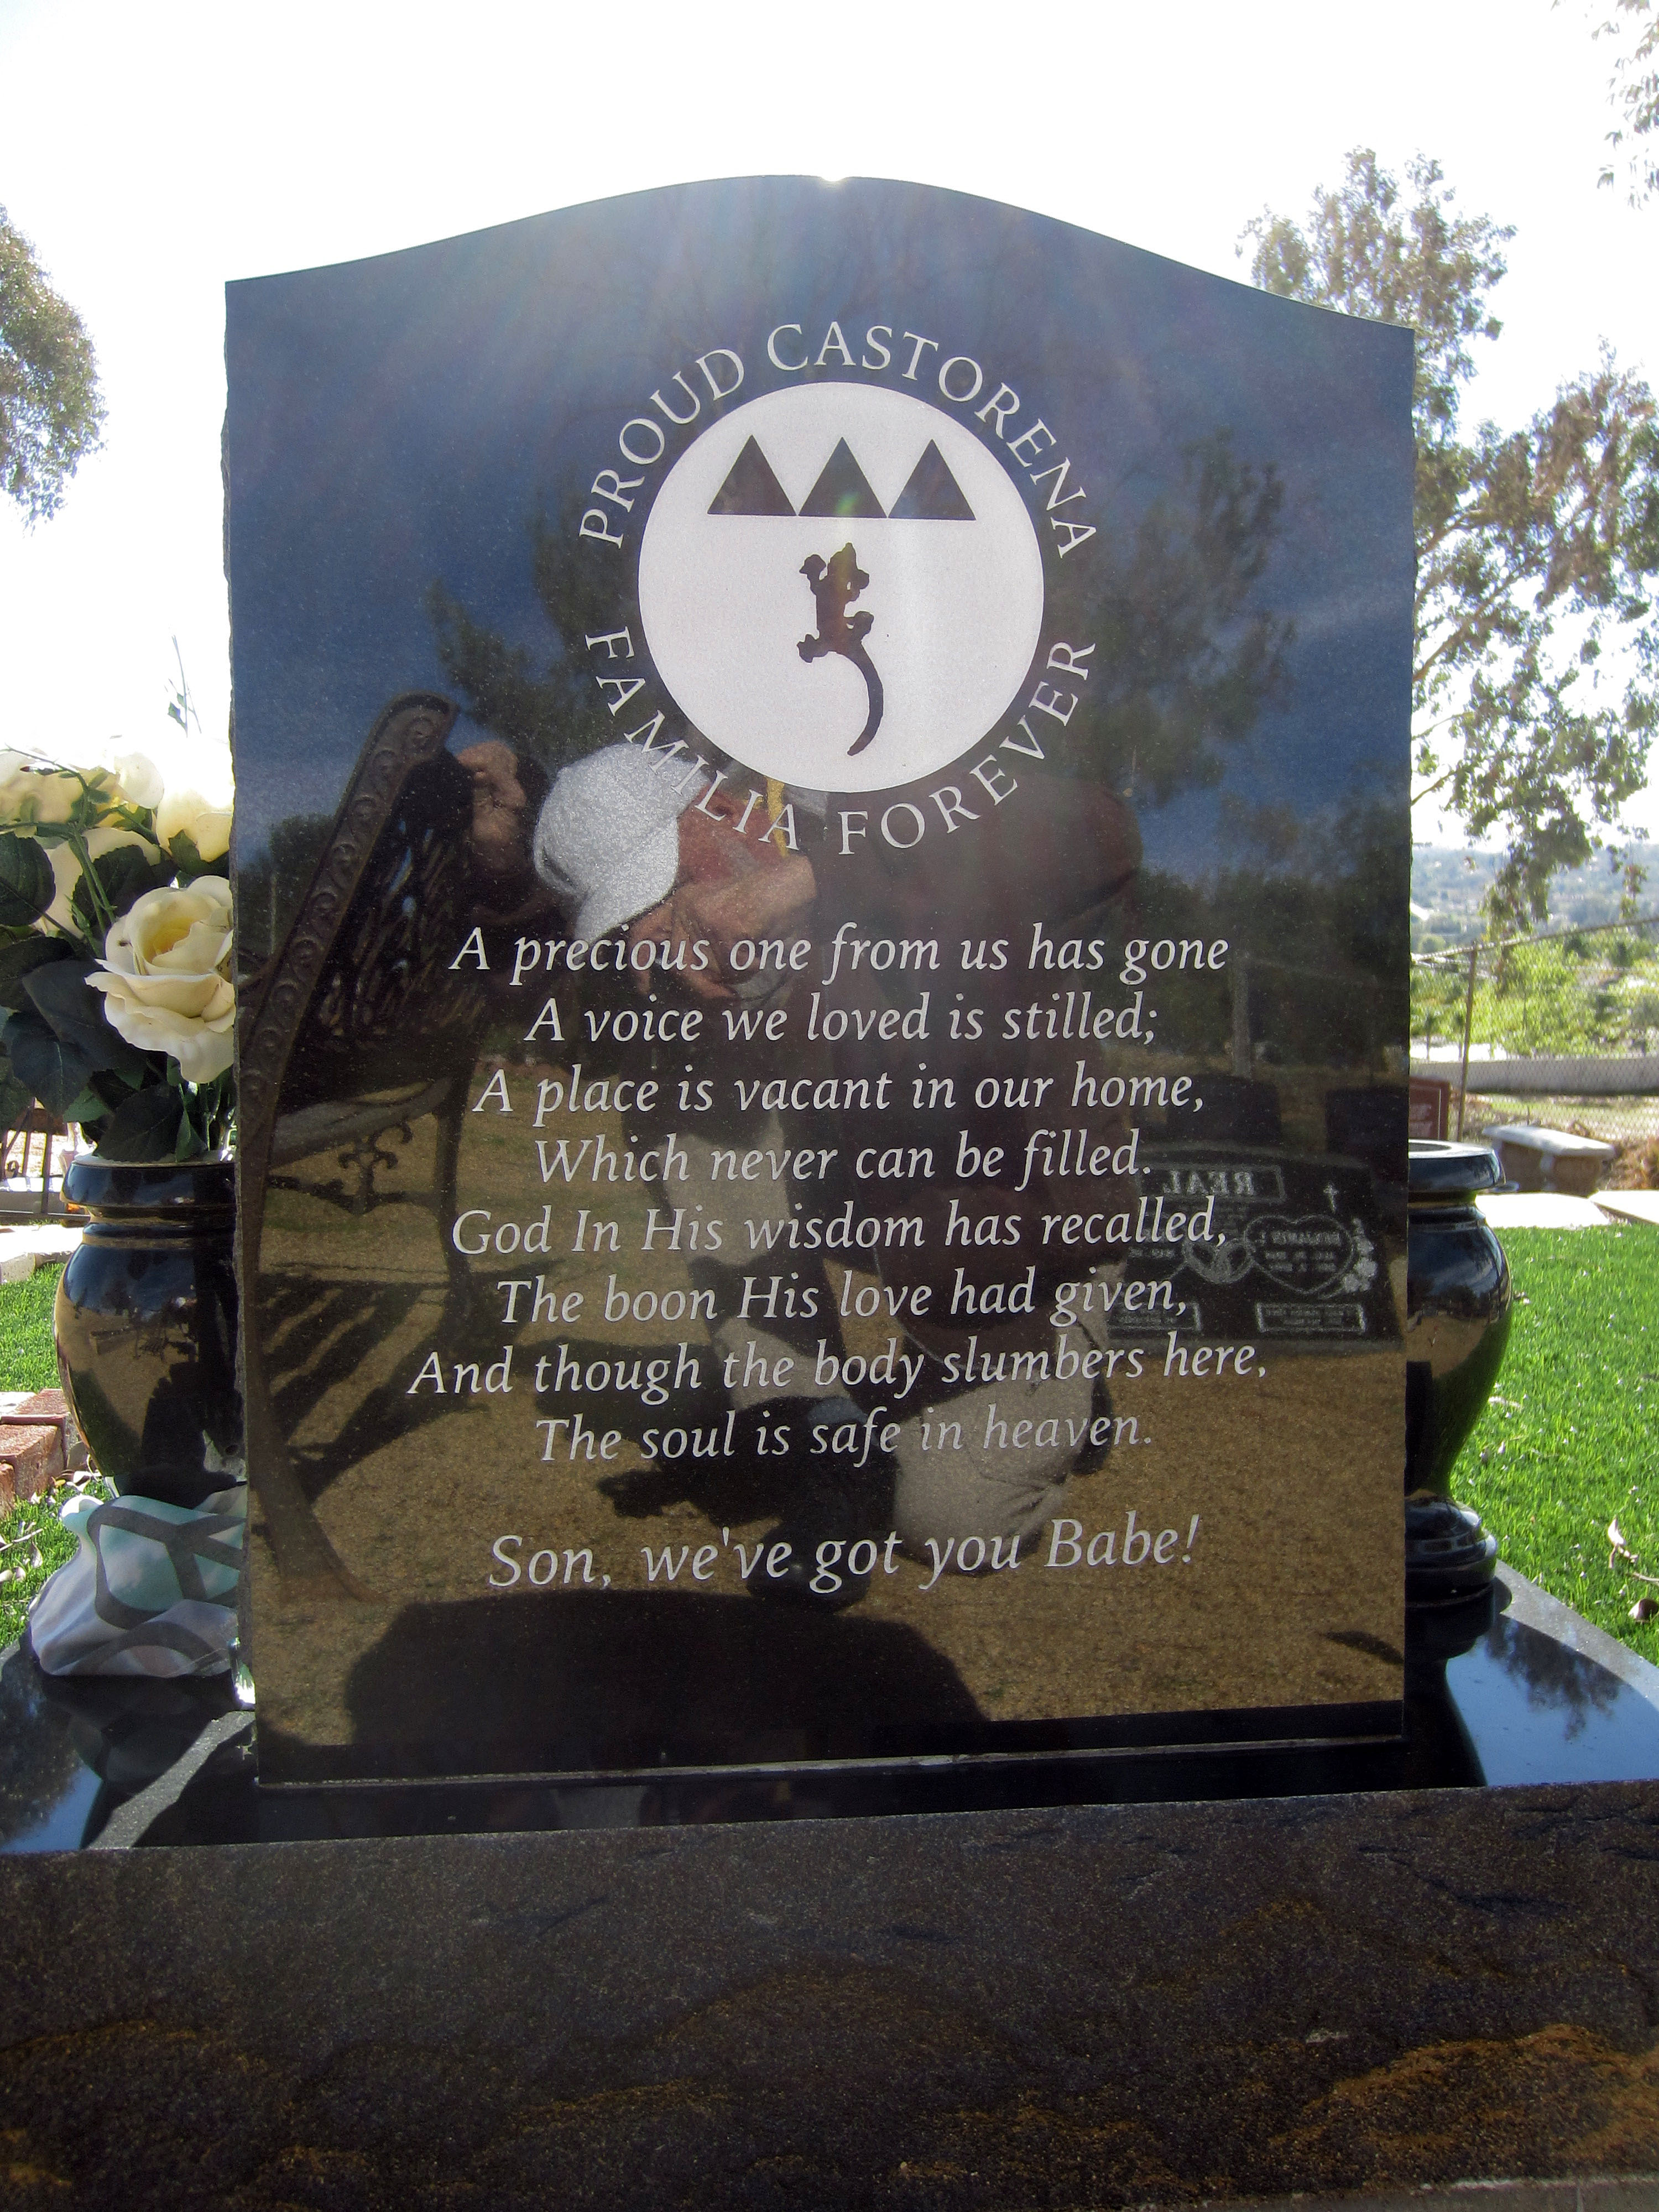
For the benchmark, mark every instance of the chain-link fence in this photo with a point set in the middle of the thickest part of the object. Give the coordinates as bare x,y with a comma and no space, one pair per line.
1561,1029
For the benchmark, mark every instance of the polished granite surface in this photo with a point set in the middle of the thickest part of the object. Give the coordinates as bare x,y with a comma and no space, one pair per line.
910,1043
1512,1689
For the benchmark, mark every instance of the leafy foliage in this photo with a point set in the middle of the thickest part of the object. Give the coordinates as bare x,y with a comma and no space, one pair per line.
1537,549
26,884
1585,992
1636,88
111,885
269,888
15,1101
58,992
147,1125
19,960
59,1043
49,1067
1186,656
1330,888
550,708
51,410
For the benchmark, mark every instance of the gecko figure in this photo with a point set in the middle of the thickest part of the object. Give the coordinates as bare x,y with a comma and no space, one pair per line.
835,584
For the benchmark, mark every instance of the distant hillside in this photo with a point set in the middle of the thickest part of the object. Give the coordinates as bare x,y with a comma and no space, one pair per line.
1448,884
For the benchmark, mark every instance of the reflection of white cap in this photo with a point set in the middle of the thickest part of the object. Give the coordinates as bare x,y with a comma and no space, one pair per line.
607,839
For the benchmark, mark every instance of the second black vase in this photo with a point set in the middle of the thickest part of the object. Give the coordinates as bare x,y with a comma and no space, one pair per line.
1457,1323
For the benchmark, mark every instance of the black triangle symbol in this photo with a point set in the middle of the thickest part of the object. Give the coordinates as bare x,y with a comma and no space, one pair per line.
843,490
751,487
933,495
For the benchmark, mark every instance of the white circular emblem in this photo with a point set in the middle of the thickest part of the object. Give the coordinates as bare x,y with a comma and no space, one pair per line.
840,586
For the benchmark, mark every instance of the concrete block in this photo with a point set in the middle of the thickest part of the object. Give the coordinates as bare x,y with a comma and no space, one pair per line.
1551,1159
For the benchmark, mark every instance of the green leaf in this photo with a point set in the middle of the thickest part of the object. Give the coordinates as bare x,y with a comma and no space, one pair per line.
19,961
28,886
110,1091
74,1012
54,1072
89,1112
190,861
146,1127
124,874
15,1100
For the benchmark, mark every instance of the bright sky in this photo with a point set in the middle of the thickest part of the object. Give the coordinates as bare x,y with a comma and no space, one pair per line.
152,154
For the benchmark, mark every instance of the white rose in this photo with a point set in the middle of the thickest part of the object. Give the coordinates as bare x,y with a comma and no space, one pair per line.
206,824
66,868
165,976
13,765
29,793
135,777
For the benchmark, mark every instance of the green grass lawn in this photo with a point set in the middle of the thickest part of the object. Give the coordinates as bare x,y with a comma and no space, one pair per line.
35,1540
30,1534
27,1360
1570,1439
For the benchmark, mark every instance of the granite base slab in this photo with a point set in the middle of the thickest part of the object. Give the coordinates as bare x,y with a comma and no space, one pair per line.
1167,2002
1100,2006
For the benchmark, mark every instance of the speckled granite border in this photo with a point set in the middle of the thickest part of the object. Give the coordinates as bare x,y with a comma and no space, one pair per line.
1594,2193
1103,2006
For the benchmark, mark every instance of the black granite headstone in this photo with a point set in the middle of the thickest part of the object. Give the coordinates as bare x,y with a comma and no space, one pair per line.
822,855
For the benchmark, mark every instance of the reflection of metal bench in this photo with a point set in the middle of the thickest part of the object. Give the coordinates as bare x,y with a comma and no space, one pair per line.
19,1197
341,1032
357,1130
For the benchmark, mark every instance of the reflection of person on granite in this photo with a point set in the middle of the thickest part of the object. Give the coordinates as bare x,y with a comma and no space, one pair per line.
508,791
880,1131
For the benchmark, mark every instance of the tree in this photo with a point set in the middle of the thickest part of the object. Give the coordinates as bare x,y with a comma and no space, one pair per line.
1636,88
552,711
1536,548
51,409
1188,654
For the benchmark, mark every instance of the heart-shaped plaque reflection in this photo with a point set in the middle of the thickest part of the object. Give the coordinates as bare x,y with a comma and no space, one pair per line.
1307,1255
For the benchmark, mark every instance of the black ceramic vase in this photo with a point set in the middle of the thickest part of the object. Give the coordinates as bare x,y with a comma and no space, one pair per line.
146,1326
1457,1322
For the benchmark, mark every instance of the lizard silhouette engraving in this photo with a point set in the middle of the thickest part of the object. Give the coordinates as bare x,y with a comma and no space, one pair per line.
835,584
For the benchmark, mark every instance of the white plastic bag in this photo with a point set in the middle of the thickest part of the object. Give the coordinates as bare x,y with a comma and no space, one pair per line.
151,1590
